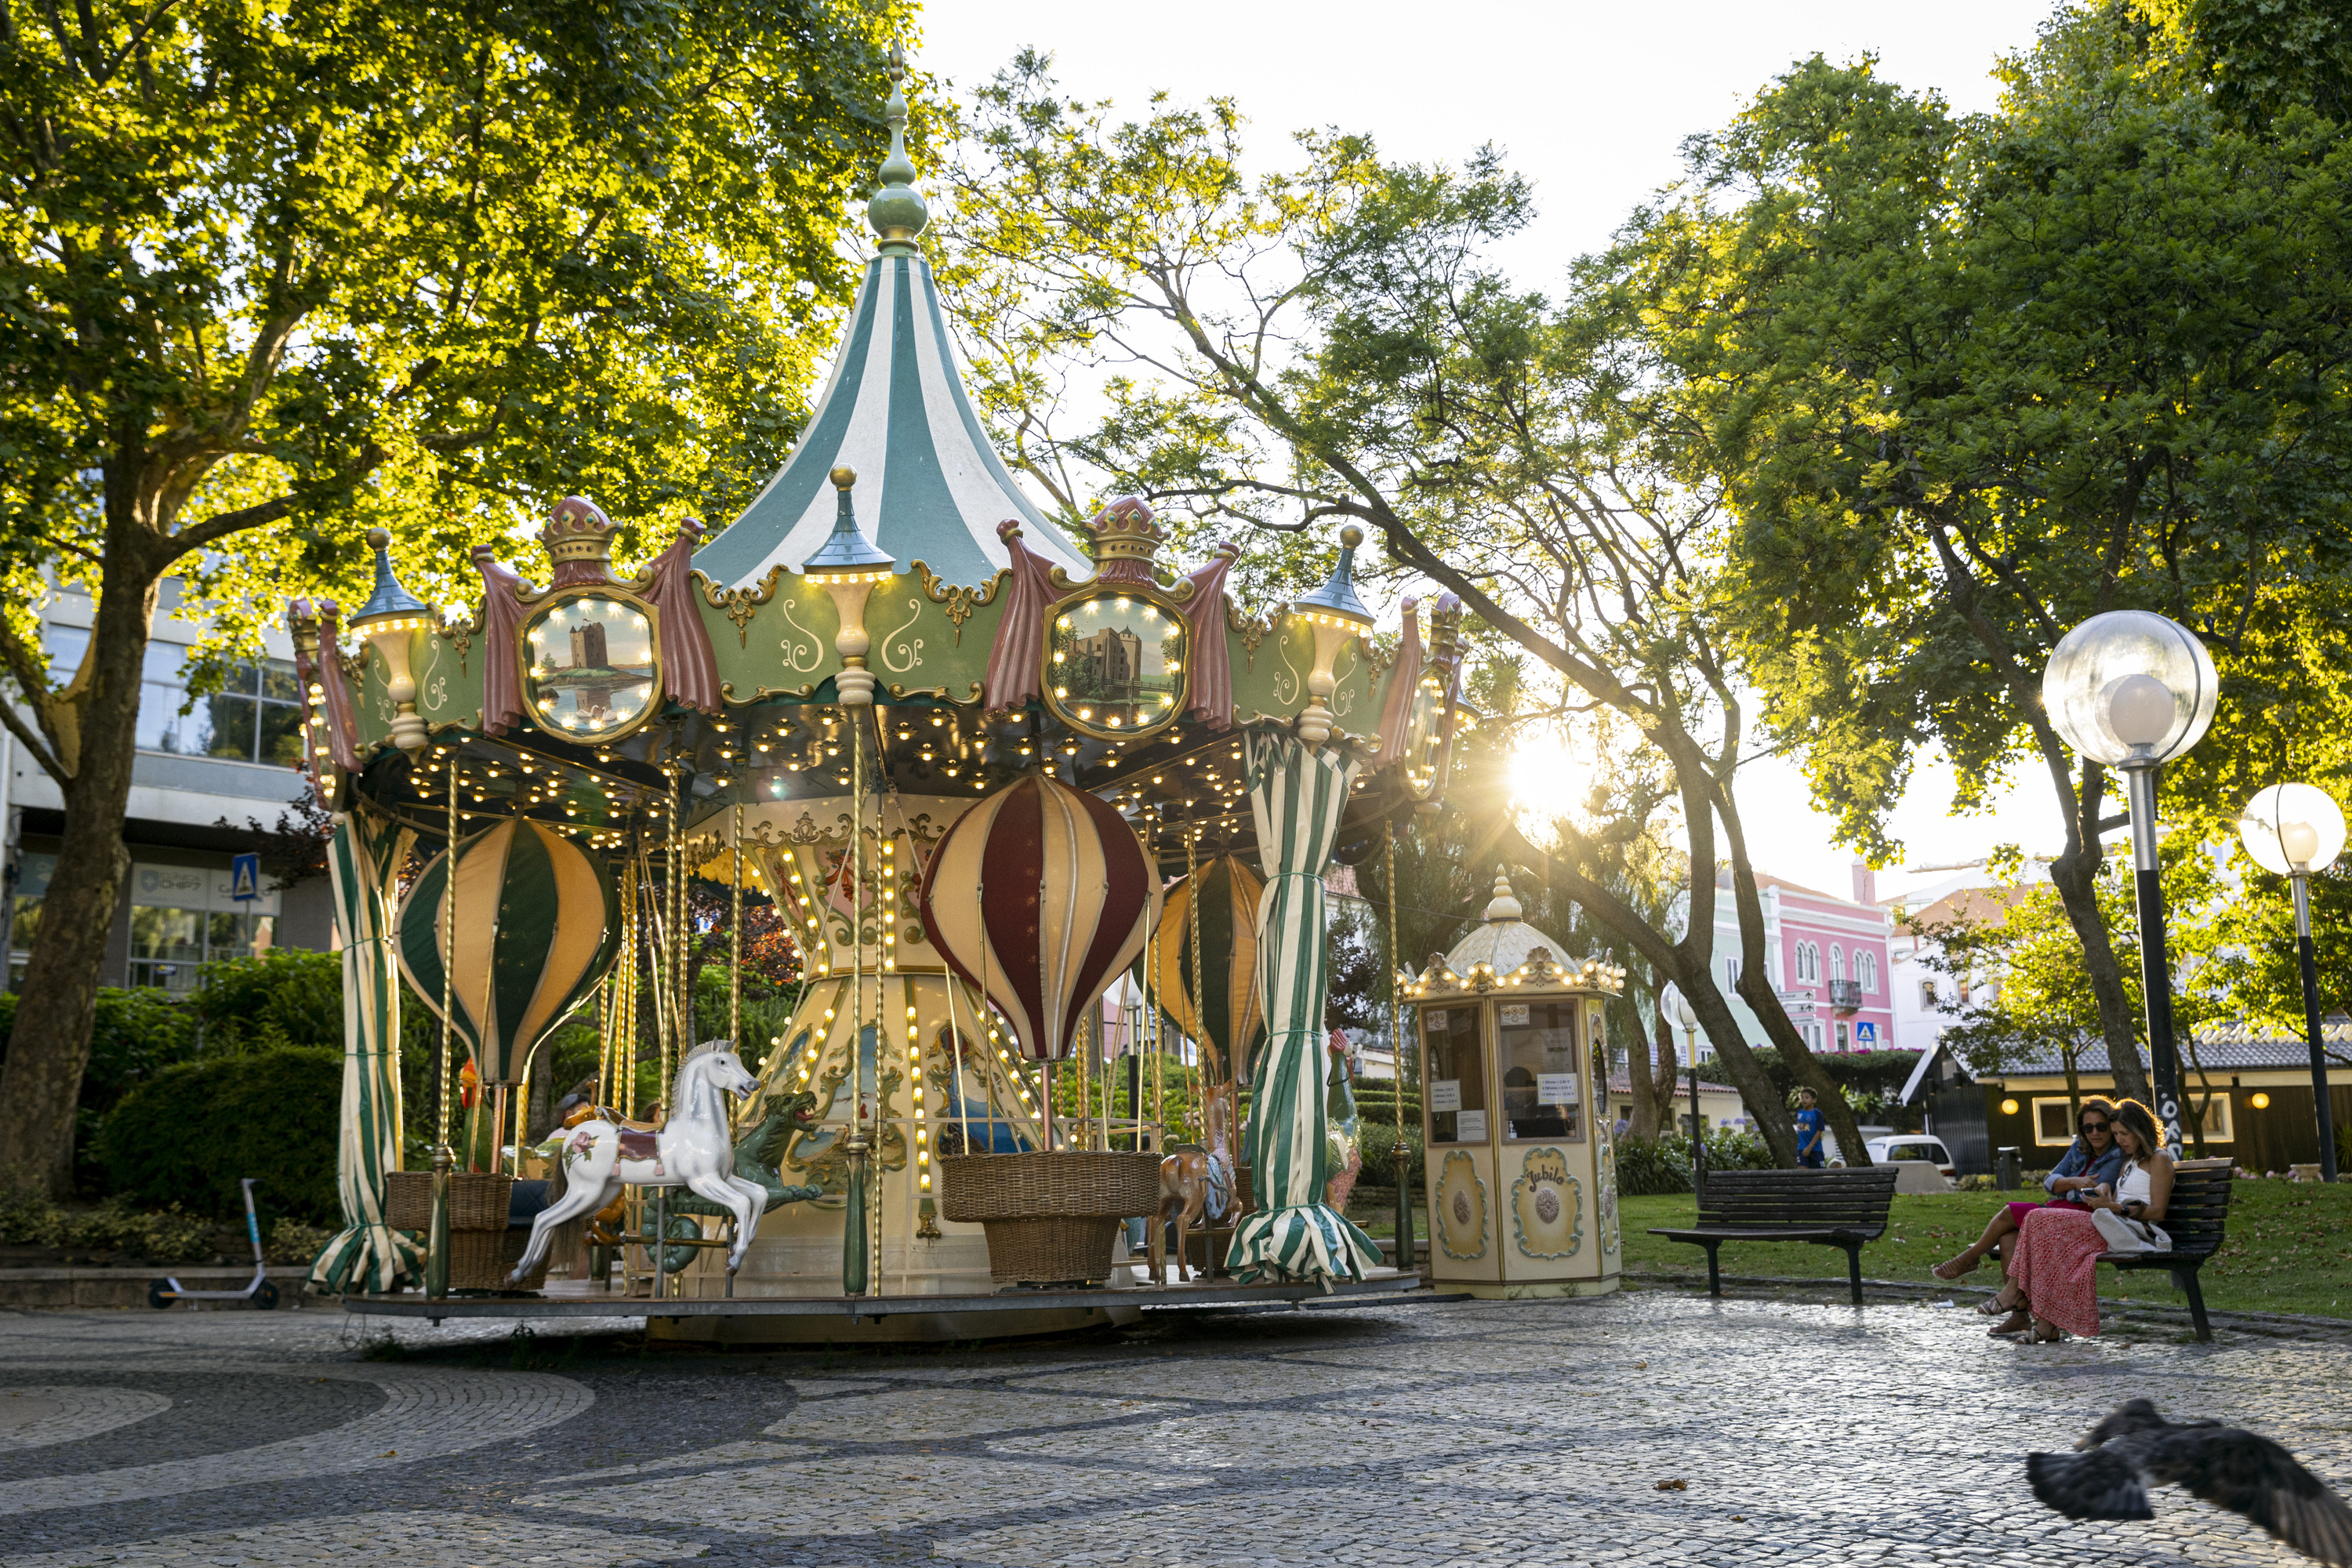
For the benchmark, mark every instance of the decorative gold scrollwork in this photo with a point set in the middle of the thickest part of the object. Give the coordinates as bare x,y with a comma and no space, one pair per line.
960,603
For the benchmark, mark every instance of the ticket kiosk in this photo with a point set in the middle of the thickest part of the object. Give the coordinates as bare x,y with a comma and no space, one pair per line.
1514,1091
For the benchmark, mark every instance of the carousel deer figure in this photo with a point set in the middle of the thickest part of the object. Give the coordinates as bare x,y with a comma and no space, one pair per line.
1195,1184
694,1149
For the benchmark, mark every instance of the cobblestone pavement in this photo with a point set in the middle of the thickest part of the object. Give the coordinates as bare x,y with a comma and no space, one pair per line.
1462,1433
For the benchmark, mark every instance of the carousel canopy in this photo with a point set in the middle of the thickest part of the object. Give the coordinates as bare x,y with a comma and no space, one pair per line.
895,411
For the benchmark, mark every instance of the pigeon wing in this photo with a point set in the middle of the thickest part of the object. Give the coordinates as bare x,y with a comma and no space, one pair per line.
2099,1484
2249,1474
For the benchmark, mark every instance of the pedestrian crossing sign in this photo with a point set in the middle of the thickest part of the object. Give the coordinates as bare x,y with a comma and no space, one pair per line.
244,878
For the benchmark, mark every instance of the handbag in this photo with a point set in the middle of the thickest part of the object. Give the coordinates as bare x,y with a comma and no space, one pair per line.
2125,1234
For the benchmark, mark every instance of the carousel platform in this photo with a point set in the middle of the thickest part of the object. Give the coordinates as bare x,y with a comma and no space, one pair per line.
746,1318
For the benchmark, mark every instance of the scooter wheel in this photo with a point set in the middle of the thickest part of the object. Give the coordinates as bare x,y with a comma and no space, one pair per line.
265,1298
160,1294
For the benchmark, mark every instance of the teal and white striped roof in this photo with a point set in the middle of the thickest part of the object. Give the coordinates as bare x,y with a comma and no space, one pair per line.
930,487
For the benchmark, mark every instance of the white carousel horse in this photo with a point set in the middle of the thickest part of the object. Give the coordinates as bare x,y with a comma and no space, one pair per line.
694,1149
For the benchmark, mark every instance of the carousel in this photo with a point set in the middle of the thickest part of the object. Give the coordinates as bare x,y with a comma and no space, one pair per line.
984,776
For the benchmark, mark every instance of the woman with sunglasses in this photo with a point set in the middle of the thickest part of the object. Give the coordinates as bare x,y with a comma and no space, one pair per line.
2054,1269
2091,1163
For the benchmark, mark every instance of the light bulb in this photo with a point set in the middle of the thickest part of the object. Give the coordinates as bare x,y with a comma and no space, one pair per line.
2140,710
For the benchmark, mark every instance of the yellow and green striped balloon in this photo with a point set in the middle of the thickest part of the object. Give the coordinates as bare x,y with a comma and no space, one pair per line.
538,925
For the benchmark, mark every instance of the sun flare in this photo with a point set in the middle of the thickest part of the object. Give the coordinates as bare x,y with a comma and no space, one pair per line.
1548,778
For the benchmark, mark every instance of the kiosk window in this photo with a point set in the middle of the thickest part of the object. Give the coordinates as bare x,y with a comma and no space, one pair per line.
1543,1077
1452,1075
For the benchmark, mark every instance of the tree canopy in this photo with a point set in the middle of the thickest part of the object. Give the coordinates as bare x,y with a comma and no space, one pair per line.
270,276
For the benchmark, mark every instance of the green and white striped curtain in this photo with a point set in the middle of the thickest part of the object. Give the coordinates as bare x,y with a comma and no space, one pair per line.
367,1256
1296,794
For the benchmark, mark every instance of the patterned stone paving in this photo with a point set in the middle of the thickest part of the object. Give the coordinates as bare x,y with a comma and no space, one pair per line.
1404,1434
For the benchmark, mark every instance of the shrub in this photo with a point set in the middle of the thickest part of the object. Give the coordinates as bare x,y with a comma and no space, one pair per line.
291,1241
1649,1166
168,1234
190,1131
28,1217
285,997
1379,1140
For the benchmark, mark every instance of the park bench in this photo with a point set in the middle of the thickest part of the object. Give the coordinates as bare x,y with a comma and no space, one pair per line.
2193,1217
1831,1208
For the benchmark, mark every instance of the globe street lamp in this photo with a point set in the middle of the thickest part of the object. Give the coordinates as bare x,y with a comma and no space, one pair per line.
1676,1009
2132,690
2293,830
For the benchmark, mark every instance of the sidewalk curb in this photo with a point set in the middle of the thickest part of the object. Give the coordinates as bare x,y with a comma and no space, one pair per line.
2244,1322
33,1289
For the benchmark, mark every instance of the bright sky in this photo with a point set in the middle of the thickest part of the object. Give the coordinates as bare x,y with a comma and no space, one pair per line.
1591,102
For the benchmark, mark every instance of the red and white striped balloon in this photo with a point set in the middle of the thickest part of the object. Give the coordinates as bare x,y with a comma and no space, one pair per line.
1039,895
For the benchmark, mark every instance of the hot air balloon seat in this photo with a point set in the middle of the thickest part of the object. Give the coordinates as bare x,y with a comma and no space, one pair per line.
693,1149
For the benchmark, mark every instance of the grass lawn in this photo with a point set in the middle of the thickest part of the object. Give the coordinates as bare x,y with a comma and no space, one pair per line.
2289,1248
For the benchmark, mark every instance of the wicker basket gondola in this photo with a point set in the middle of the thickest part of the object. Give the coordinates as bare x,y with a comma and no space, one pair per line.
1050,1218
478,1201
479,1259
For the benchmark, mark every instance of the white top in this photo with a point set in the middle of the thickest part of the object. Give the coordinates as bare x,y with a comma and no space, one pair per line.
2134,1185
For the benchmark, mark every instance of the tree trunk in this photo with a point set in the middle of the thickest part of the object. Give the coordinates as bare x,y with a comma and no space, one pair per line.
48,1047
1661,1088
1643,1122
1763,999
2075,874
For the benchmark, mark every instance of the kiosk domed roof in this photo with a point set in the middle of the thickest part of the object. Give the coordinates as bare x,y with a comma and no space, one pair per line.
1504,940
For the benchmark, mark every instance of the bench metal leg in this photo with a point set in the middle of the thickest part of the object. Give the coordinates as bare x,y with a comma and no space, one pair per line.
2187,1277
1713,1279
1853,1270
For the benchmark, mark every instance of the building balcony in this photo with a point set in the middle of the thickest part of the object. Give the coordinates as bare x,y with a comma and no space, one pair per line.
1845,996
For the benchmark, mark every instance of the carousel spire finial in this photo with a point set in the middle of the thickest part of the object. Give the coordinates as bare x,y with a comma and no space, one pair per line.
1337,596
1505,904
898,211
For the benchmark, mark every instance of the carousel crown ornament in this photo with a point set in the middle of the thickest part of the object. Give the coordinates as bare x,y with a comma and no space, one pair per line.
578,540
964,762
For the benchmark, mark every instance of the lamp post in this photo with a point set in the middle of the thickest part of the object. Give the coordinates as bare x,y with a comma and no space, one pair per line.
1676,1009
2293,830
2132,690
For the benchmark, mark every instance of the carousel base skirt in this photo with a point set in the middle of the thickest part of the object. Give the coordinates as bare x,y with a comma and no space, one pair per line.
1011,1313
1526,1289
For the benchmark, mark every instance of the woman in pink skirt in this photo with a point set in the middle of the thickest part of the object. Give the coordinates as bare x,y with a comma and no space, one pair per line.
2053,1267
2093,1162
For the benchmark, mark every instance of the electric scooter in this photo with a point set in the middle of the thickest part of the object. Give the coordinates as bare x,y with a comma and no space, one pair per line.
257,1290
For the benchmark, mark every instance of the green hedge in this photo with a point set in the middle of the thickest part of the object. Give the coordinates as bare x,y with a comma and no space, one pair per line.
1648,1167
1379,1142
188,1133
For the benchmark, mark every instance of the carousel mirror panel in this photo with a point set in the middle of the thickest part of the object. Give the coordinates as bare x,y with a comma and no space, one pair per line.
1424,735
591,663
1454,1073
1117,664
1542,1069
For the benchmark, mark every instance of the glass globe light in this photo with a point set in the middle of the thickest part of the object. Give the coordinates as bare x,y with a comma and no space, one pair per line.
2130,686
2292,829
1675,1007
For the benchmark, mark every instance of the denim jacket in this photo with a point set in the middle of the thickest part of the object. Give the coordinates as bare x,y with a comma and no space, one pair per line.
2107,1168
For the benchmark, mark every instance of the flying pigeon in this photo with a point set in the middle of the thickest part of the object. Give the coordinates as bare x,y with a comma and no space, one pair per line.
2136,1448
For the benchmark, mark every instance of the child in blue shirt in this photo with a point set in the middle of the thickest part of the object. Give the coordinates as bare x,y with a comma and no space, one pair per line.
1811,1125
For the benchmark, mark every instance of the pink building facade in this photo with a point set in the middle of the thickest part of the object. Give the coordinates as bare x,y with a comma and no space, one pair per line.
1832,962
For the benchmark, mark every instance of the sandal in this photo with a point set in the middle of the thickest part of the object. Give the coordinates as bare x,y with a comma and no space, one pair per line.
1946,1269
2017,1322
2045,1333
1994,1305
